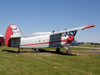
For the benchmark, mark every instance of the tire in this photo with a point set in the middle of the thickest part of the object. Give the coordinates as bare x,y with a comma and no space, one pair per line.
58,50
68,51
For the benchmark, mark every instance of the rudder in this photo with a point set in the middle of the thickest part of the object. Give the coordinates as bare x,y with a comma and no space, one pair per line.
12,32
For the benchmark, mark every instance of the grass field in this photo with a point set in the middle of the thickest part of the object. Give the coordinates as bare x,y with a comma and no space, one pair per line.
48,62
86,45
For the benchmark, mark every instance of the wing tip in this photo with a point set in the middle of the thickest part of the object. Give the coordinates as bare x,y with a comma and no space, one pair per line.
89,26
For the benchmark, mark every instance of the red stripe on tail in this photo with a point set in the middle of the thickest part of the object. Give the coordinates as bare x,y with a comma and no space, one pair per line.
8,35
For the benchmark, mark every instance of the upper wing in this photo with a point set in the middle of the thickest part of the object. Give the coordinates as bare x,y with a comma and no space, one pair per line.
74,29
69,30
41,33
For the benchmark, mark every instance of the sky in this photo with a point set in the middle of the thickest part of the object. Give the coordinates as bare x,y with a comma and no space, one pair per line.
47,15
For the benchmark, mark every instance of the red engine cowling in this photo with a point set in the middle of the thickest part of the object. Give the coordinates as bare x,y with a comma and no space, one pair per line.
1,41
70,39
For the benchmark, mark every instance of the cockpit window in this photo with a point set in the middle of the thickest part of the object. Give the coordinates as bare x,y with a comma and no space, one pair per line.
64,34
67,34
70,33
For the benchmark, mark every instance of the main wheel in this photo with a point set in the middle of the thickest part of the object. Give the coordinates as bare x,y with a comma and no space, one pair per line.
58,50
68,51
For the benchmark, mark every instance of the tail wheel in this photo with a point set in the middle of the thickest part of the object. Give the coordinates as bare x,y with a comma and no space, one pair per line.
19,50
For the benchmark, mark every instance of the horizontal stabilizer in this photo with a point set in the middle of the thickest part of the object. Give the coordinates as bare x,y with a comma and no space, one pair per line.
14,36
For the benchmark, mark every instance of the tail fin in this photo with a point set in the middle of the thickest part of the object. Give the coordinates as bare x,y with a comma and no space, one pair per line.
12,32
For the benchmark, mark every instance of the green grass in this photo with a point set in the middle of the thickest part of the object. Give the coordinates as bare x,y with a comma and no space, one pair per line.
71,48
86,45
30,62
74,48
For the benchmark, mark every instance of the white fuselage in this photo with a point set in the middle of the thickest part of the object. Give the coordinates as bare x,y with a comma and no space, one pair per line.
43,41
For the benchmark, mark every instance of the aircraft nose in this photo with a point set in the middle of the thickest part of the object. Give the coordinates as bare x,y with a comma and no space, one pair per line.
70,39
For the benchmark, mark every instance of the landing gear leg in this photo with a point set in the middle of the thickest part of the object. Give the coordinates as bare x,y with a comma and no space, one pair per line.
37,49
19,50
68,51
58,50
